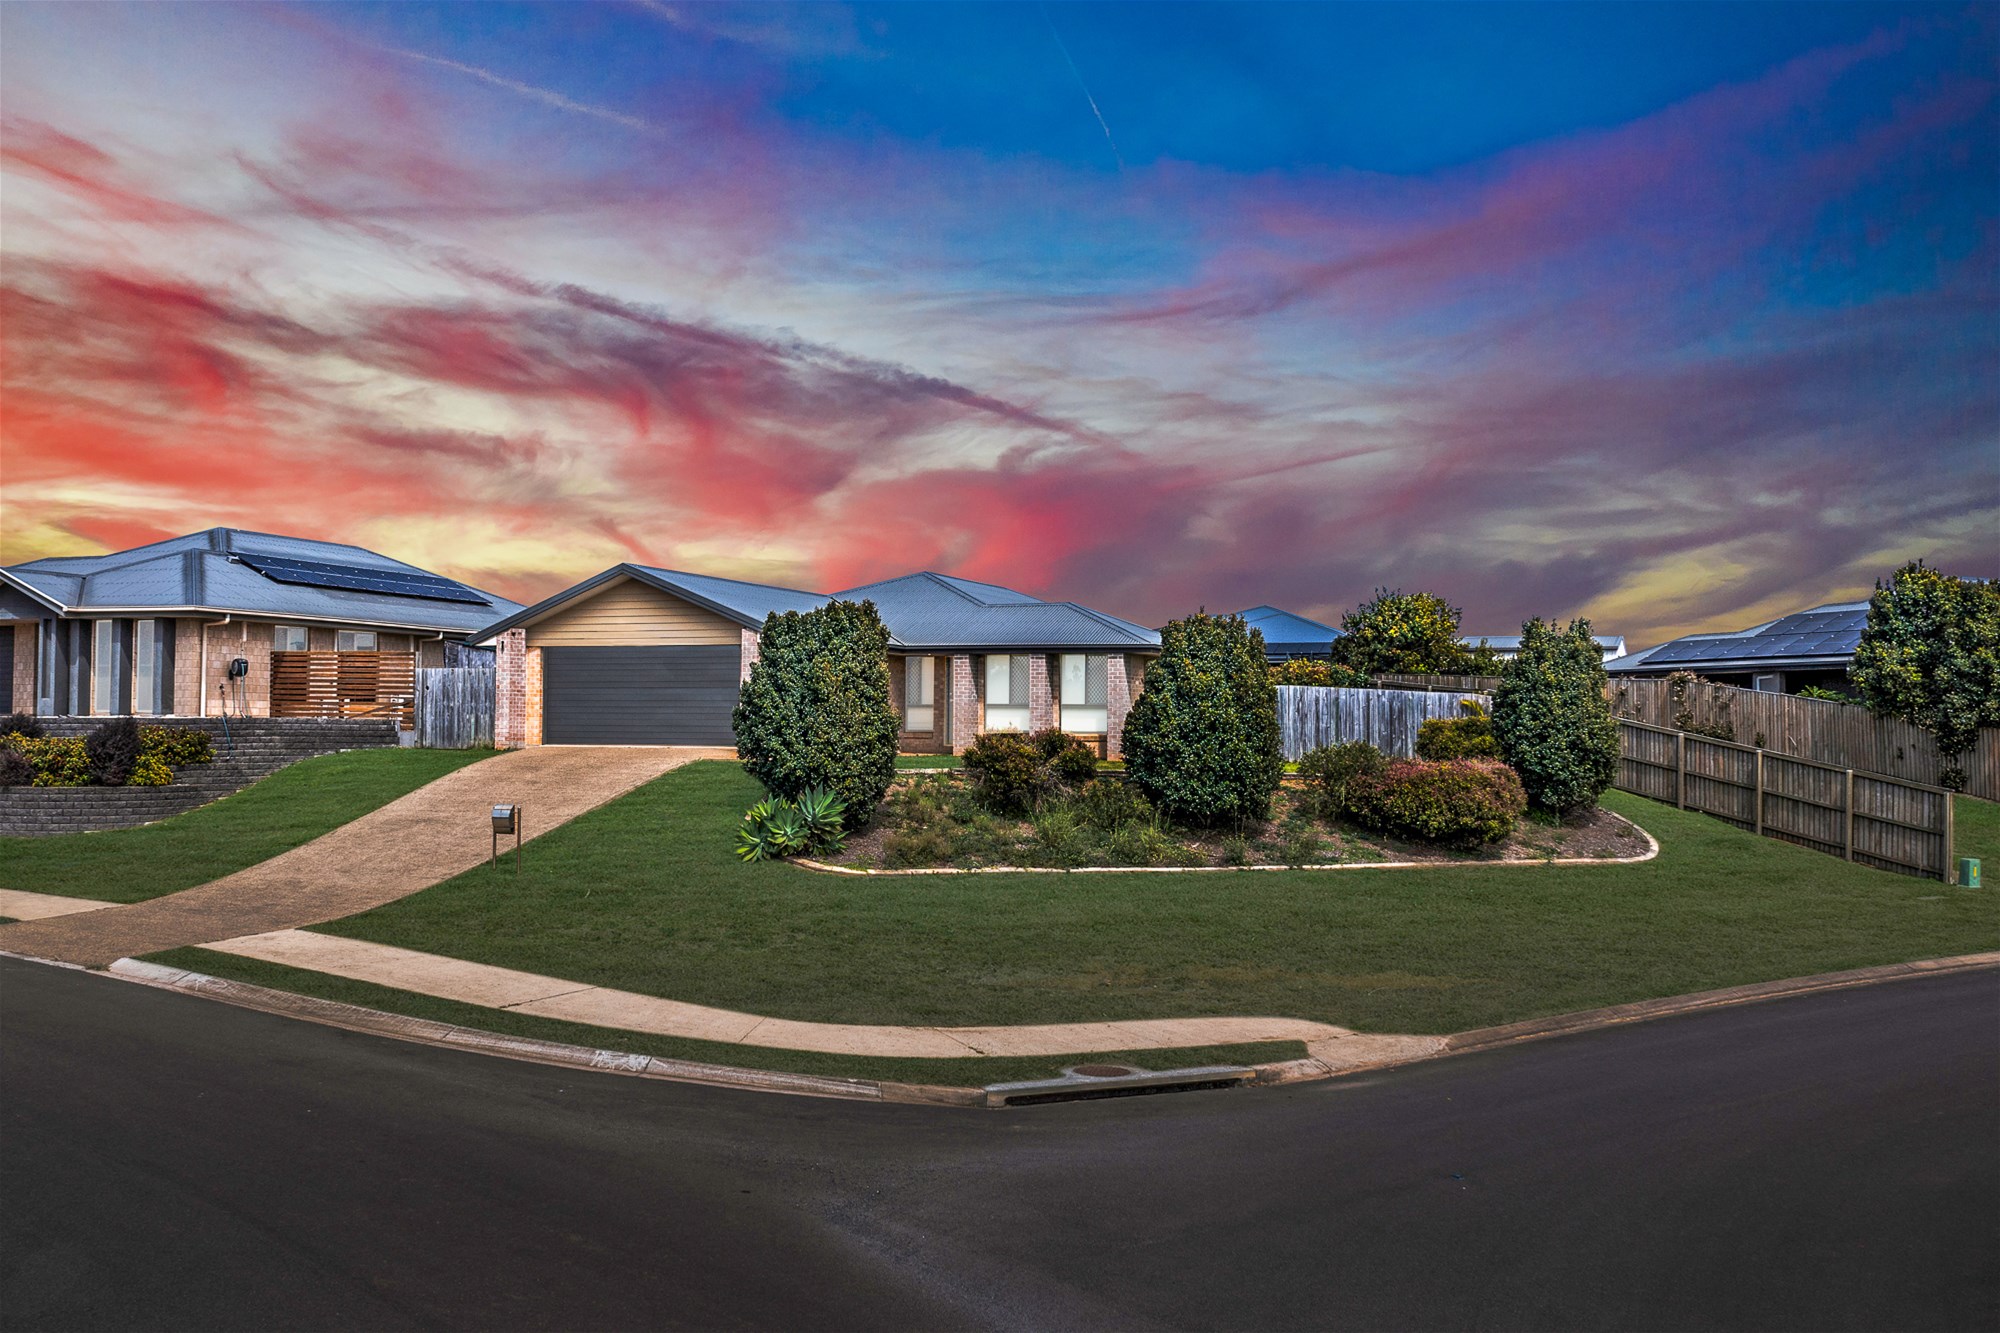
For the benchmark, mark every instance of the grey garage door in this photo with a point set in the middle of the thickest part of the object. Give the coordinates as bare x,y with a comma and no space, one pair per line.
639,696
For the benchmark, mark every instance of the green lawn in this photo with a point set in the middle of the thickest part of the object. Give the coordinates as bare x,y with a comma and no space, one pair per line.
292,806
643,894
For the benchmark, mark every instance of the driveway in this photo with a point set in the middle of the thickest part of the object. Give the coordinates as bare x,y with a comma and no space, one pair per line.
422,839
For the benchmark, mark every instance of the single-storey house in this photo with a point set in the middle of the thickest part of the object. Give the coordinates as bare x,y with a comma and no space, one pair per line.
1813,647
1288,636
645,656
227,621
1506,645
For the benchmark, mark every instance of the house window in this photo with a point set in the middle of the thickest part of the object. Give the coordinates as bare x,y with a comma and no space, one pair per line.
1085,694
1007,692
355,641
288,638
145,667
104,666
919,683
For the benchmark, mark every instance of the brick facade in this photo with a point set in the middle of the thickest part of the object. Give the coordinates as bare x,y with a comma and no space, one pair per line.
532,711
964,715
27,637
1118,694
1041,694
752,647
510,690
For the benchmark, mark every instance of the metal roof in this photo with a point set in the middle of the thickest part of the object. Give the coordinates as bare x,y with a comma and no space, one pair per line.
1511,643
924,611
1825,636
1289,634
202,573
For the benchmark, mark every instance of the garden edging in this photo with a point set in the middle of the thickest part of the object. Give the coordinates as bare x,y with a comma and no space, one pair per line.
1652,850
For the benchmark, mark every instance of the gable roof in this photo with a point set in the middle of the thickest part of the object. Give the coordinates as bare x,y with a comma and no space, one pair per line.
205,573
1287,633
925,611
1824,637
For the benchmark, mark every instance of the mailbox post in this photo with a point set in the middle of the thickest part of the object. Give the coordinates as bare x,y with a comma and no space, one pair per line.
507,819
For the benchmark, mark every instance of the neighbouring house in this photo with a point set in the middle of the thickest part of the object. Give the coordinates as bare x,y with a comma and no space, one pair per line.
1784,656
1287,635
229,622
1506,645
644,656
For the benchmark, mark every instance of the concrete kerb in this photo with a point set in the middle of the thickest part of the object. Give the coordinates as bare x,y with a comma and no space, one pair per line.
1652,850
1361,1053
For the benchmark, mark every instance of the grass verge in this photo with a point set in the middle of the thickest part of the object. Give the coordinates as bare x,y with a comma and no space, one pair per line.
290,807
643,894
944,1073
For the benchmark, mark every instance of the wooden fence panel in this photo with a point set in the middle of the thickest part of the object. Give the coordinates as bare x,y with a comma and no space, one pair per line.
454,707
1463,684
335,684
1310,716
1879,821
1820,730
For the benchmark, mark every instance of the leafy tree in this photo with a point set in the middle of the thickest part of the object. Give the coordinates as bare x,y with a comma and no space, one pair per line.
1552,720
1930,655
1316,671
1201,740
815,714
1414,633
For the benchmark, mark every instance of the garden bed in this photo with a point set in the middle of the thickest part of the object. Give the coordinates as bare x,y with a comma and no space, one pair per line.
934,821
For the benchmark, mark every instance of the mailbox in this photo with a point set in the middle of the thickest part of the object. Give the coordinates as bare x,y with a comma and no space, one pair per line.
507,819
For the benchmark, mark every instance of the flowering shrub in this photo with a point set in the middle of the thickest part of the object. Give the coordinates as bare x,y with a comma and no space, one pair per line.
56,761
1314,671
1467,737
67,761
177,746
1459,802
150,771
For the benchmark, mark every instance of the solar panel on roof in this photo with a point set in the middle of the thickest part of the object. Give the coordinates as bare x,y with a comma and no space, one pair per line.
360,578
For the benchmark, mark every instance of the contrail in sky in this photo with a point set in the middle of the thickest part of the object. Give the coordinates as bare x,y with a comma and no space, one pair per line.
547,97
1060,46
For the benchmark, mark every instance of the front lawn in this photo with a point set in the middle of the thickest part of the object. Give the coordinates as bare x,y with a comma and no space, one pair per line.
644,894
292,806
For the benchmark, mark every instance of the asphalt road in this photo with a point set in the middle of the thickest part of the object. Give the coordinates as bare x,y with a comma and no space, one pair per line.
1821,1163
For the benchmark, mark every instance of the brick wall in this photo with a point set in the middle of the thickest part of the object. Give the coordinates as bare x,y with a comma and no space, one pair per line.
963,695
1041,694
532,710
26,636
510,690
752,646
1118,693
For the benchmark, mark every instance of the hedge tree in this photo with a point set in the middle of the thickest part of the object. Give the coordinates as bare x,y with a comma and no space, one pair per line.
1201,740
1551,718
815,713
1930,655
1415,633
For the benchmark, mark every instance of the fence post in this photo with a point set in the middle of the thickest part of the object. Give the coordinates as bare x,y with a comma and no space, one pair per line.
1760,793
1950,867
1680,769
1847,838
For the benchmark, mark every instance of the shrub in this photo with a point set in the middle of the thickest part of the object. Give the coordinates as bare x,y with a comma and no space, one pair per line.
1072,760
1552,720
150,771
1109,804
1329,769
15,770
22,724
1302,671
1401,632
1831,696
775,828
1457,802
178,746
1014,773
1930,655
925,845
112,749
815,712
1201,741
57,761
1466,737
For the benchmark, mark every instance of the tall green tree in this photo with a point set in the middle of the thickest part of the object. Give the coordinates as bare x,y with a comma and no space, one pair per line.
1201,740
815,713
1930,655
1409,632
1551,718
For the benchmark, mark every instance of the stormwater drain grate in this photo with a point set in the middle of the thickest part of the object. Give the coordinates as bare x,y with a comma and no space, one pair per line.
1085,1083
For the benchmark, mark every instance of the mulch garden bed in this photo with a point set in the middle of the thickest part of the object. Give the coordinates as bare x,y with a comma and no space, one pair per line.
934,820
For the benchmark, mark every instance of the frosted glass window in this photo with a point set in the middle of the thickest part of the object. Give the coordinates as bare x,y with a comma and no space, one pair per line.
145,666
919,686
1085,693
288,638
355,641
1006,692
103,667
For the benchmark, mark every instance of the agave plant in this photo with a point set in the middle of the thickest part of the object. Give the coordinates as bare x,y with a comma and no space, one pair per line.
824,815
756,839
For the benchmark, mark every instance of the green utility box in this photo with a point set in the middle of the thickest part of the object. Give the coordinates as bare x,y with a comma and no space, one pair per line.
1968,872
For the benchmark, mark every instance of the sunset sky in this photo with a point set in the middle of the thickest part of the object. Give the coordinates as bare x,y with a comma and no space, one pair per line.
1678,316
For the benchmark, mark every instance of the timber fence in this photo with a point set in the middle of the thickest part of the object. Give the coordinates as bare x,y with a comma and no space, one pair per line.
454,707
1879,821
1310,716
1822,731
1409,681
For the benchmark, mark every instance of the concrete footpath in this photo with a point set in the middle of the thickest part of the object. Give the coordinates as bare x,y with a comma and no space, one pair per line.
438,831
